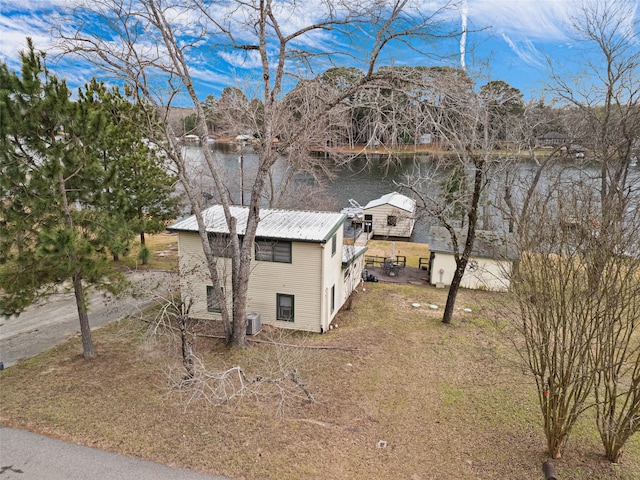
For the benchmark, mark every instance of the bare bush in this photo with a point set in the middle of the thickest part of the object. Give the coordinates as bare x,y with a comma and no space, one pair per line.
278,383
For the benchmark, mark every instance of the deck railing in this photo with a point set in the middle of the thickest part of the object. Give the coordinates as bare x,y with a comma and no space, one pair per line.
375,261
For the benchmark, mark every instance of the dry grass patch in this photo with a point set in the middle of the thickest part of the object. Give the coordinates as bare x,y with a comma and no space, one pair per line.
449,401
413,251
164,253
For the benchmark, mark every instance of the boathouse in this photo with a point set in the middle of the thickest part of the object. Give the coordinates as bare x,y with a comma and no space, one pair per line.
391,216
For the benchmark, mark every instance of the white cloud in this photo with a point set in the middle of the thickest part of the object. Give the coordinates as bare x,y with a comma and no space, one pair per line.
246,60
526,52
14,30
530,19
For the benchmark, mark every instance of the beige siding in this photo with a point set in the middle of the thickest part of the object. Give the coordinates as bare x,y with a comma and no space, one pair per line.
404,224
194,274
306,278
301,278
490,274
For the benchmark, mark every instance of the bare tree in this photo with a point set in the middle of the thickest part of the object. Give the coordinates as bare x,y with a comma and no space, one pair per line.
578,231
452,192
140,43
279,382
554,310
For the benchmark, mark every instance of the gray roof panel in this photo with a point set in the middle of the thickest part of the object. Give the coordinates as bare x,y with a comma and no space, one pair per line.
300,225
487,244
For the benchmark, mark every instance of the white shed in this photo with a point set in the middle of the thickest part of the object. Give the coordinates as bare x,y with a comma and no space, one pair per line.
392,215
489,266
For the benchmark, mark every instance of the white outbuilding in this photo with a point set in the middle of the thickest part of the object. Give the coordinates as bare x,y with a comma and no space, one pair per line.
391,216
489,266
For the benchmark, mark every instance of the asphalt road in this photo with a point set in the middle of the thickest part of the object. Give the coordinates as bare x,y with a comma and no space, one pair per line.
28,456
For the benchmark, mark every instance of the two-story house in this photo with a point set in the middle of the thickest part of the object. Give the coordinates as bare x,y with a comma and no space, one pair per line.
301,272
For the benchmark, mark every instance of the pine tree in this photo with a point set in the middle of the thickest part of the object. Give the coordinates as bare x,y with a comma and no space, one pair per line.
53,190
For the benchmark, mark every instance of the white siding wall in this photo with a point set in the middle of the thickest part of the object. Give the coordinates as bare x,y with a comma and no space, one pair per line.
332,276
490,275
404,225
352,276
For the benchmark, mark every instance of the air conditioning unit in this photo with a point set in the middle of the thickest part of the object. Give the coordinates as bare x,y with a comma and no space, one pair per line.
253,323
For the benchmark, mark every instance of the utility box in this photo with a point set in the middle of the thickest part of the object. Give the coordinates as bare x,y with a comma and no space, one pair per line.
253,323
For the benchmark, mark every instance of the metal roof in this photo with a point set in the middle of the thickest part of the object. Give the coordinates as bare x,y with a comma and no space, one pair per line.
394,199
303,226
351,252
487,244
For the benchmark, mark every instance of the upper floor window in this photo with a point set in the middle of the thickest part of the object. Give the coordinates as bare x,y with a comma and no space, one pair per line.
220,245
334,244
273,251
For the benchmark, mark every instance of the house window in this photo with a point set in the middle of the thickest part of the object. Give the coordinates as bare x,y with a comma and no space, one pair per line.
220,245
392,220
333,298
212,301
285,307
273,251
368,223
334,242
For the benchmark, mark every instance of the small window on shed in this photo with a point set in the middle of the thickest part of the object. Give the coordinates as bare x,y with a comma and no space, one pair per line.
392,220
334,243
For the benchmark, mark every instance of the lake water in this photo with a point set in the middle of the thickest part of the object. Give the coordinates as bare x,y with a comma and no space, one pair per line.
363,180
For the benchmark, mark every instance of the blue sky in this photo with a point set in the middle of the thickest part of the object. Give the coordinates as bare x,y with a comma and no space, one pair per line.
508,40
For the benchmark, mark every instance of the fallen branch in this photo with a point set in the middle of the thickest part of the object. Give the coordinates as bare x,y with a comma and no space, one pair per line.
270,342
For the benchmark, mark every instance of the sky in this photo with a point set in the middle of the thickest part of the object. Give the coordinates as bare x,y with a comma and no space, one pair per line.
509,40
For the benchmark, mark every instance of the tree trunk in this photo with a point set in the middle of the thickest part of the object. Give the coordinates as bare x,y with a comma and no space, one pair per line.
240,292
187,348
78,289
451,297
145,257
85,329
461,260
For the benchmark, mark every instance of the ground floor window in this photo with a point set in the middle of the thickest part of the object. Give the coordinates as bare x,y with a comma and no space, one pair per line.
285,305
212,301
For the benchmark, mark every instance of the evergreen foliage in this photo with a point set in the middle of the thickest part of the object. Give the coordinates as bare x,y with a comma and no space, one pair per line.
72,186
